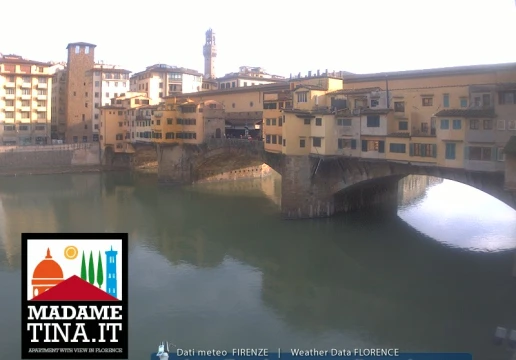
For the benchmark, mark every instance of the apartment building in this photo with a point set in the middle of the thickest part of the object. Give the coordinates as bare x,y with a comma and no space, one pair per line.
105,82
25,101
160,80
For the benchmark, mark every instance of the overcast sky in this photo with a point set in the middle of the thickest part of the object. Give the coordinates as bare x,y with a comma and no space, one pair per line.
284,37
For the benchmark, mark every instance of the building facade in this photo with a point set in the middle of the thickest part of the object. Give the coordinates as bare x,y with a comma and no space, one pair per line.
25,101
160,80
58,109
105,82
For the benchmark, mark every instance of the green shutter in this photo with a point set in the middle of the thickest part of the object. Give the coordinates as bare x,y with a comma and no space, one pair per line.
466,152
411,149
434,150
422,148
494,154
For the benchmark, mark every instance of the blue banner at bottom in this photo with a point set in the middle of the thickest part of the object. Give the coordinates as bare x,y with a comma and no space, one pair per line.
355,354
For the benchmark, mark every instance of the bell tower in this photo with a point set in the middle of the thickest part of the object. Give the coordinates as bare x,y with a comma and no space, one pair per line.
210,53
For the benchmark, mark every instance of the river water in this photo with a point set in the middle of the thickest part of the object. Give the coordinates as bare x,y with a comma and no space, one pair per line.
213,266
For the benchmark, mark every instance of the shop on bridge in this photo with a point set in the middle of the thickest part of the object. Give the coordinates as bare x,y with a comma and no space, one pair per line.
244,124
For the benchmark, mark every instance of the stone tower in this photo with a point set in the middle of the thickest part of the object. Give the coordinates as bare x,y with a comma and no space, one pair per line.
81,58
210,53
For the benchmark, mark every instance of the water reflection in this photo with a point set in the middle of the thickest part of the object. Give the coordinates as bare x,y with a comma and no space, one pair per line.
462,216
211,270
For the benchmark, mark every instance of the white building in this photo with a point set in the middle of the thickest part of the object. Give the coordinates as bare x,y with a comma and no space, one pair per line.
105,82
161,80
248,76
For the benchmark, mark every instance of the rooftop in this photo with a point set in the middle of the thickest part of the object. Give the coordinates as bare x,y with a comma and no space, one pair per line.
455,70
467,113
80,44
168,68
18,60
244,89
355,91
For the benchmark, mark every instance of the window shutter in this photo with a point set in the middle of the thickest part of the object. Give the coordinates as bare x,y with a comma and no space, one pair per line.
434,150
423,150
353,144
411,149
364,145
466,152
381,146
494,154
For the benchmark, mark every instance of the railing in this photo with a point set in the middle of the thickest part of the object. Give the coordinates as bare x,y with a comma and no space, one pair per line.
50,147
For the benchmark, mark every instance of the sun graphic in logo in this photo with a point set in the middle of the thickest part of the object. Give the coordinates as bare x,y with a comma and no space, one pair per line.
71,252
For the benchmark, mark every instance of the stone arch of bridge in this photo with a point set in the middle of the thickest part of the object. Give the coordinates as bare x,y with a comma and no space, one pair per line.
375,183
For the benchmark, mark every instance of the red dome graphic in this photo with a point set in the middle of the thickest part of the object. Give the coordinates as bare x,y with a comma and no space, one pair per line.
74,289
47,274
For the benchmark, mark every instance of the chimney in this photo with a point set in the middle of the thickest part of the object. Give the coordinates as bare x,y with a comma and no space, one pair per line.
309,74
318,73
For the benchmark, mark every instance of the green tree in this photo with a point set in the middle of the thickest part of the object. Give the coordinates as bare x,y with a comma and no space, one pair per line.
84,275
100,272
91,270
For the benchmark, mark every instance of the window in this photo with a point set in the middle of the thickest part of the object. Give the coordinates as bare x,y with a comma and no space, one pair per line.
463,103
446,100
511,124
25,91
486,100
403,125
170,121
302,143
445,124
96,94
353,143
399,106
480,153
428,101
507,97
474,124
84,139
267,139
318,121
11,102
398,148
302,97
316,142
450,151
75,139
25,115
500,124
284,142
374,103
373,121
280,121
344,122
97,83
307,121
77,49
270,106
273,122
274,139
267,121
488,124
423,150
343,144
457,124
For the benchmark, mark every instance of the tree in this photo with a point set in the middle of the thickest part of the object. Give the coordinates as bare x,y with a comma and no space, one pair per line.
91,270
100,272
84,276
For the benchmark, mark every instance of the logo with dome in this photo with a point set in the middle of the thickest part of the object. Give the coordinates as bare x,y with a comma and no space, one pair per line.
74,295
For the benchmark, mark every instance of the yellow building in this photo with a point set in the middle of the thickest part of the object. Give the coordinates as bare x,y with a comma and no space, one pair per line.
118,122
187,122
25,100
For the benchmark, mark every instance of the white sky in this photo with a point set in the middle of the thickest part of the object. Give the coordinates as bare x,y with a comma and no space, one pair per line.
281,36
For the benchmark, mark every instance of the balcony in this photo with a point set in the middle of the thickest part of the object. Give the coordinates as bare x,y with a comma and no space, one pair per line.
9,108
41,97
9,96
41,109
26,85
26,97
42,86
143,117
9,85
25,108
158,114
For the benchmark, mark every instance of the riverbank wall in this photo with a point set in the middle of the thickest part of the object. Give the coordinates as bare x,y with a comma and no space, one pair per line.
87,157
